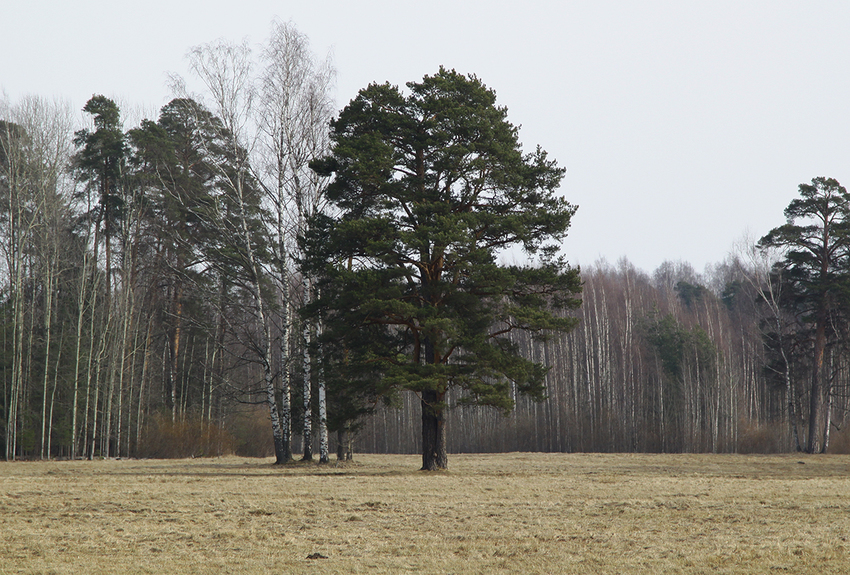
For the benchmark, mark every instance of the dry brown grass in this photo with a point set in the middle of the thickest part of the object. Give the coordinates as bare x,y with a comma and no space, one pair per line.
512,513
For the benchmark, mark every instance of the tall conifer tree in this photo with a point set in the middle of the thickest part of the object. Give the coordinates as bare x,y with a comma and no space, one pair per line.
431,187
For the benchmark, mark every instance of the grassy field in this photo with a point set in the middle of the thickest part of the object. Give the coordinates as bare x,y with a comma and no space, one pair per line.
511,513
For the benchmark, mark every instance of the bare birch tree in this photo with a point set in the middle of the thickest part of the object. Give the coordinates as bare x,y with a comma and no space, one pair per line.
760,272
34,150
225,70
294,109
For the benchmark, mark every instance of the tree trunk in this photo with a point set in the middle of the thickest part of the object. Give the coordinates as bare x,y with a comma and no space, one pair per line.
142,381
89,363
307,387
48,309
53,397
266,354
340,444
279,451
828,419
266,346
128,313
82,296
286,375
433,432
817,405
324,456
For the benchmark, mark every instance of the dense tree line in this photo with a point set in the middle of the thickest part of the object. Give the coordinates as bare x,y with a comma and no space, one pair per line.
150,273
244,259
668,362
658,363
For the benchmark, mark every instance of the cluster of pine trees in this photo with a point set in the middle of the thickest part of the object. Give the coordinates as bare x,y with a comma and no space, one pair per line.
250,256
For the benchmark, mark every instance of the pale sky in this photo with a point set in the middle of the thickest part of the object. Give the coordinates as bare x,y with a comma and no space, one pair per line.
683,125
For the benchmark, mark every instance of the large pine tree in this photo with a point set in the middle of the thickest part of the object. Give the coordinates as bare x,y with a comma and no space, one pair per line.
816,242
100,162
431,188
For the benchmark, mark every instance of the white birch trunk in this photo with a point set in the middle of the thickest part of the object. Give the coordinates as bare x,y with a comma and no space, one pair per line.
307,387
324,456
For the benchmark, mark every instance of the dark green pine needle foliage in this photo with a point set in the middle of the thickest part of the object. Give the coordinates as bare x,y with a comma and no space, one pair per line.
101,158
816,238
428,189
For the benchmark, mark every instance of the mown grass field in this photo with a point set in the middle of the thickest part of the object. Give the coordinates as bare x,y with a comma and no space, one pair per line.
509,513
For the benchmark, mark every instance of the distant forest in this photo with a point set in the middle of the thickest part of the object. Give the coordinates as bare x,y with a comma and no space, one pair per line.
157,297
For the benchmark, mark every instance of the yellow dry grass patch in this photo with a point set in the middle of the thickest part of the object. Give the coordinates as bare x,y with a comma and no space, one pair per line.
509,513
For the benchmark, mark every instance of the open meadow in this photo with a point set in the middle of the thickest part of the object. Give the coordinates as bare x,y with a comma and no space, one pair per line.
508,513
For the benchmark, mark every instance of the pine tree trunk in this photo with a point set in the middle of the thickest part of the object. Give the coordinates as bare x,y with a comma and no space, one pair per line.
817,415
433,432
340,444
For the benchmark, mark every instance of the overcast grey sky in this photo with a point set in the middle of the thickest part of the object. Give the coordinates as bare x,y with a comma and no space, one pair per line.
682,125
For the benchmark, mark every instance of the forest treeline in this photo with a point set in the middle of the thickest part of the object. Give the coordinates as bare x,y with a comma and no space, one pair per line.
671,361
157,296
750,356
150,281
